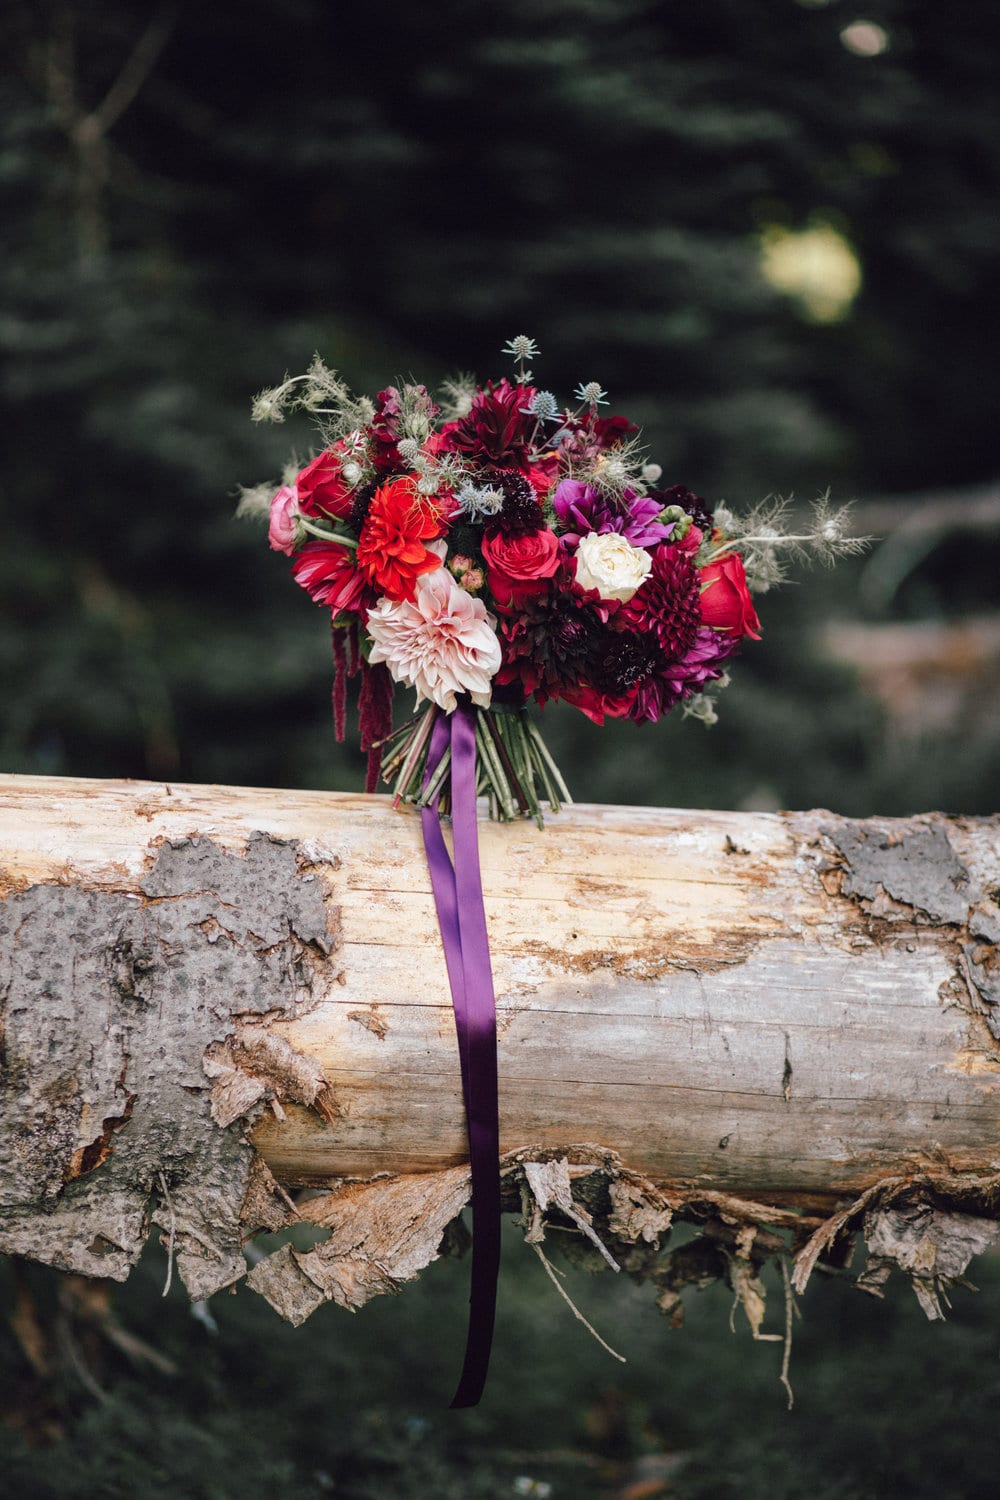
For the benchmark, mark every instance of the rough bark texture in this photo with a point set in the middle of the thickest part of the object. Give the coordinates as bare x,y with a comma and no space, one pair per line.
781,1027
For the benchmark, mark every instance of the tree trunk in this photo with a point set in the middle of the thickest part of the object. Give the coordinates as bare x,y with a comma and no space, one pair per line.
208,991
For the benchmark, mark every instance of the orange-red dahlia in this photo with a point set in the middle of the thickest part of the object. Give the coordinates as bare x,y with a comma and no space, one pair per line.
391,553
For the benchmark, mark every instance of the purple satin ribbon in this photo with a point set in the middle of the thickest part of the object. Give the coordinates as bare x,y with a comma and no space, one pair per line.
458,896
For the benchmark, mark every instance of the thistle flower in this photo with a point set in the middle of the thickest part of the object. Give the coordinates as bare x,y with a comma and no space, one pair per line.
591,394
479,500
543,407
521,348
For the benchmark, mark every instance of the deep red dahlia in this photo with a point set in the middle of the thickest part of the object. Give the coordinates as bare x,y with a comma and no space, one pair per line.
550,646
498,429
668,604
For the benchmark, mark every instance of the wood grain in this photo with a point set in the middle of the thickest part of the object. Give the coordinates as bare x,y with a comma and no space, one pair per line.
729,999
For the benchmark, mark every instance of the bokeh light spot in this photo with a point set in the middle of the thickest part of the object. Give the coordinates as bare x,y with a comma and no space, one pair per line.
817,266
865,38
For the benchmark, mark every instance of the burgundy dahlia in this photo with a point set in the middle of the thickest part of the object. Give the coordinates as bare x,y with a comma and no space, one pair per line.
668,604
551,646
498,428
673,681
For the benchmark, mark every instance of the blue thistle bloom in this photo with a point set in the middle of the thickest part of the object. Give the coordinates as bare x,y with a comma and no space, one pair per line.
479,500
591,393
543,406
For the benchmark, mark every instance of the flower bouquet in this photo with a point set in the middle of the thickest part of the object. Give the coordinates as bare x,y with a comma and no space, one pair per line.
494,547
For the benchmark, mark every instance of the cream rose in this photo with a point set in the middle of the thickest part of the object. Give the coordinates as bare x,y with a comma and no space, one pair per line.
606,562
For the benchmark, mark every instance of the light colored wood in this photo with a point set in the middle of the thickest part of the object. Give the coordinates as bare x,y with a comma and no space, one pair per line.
692,990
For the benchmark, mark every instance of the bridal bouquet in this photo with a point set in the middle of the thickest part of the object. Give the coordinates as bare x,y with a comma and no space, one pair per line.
494,546
490,548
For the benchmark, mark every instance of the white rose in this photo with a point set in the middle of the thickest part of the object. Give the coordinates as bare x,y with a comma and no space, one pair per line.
611,565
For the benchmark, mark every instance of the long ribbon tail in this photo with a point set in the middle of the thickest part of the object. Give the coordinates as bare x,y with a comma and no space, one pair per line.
458,897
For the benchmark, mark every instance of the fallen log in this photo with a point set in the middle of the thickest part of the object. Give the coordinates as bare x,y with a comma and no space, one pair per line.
214,997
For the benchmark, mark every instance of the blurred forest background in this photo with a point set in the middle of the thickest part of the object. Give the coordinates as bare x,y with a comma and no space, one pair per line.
770,229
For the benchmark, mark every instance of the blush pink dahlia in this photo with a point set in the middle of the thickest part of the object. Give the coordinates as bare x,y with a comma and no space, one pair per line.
442,643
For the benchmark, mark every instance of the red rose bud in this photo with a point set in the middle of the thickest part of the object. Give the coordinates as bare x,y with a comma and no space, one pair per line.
519,566
321,487
725,599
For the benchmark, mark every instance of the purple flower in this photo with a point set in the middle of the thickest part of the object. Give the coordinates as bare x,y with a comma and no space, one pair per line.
581,509
673,681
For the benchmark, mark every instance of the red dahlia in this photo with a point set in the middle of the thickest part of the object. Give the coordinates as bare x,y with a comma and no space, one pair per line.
391,553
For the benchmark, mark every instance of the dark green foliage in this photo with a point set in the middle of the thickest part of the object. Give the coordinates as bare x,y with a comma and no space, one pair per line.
886,1405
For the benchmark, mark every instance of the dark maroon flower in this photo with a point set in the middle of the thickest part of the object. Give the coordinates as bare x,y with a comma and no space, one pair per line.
551,645
626,659
498,429
667,604
671,682
520,512
697,508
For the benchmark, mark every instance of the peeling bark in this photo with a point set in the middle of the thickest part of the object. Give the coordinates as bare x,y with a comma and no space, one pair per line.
782,1029
115,1004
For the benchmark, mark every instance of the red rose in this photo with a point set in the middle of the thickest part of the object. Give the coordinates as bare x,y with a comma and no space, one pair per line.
725,599
519,566
321,489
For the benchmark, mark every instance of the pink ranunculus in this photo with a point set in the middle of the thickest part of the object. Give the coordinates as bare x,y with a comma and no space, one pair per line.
284,519
442,643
